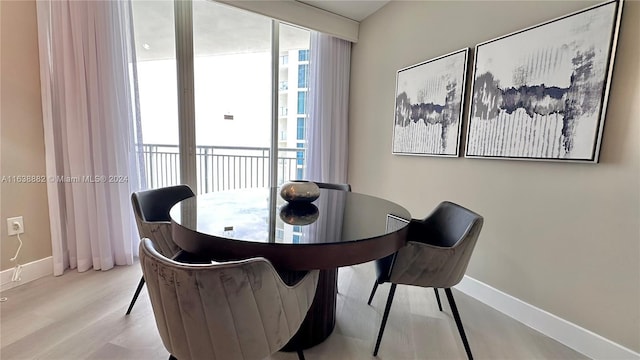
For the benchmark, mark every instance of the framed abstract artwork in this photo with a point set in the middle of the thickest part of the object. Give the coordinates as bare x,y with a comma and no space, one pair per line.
428,106
541,93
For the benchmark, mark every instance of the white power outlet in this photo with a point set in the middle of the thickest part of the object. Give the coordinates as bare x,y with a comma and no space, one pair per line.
15,225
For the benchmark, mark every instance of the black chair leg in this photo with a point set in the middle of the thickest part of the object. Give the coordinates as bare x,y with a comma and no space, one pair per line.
438,298
300,355
135,296
392,291
456,316
171,357
373,292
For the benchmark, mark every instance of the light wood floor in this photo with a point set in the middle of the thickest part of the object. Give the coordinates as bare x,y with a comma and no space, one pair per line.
81,316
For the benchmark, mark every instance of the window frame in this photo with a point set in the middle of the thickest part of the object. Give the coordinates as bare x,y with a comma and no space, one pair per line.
183,23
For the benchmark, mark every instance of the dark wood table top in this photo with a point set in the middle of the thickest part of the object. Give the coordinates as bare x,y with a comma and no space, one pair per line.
338,229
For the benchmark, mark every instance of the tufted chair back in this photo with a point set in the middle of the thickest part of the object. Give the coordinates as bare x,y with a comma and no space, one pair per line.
151,208
233,310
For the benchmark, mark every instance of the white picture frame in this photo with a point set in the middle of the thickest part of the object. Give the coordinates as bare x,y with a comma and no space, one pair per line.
541,93
428,106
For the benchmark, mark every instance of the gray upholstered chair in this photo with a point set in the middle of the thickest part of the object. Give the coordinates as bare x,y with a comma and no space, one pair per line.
151,209
436,255
334,186
232,310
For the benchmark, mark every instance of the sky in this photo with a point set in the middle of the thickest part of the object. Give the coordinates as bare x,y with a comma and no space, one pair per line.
237,85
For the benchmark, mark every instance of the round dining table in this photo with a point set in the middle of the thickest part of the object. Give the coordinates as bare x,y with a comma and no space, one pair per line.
340,228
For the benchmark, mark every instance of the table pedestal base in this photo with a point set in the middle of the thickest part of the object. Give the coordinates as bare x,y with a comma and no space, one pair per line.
321,318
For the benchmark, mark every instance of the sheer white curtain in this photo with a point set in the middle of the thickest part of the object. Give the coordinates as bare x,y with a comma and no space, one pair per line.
329,65
330,61
86,58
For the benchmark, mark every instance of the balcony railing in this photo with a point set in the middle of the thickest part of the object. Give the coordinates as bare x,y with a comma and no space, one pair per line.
221,167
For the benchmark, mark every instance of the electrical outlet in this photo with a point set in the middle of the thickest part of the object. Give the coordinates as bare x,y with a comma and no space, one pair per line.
14,229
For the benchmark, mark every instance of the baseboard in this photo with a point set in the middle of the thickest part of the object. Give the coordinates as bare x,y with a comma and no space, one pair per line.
30,271
580,339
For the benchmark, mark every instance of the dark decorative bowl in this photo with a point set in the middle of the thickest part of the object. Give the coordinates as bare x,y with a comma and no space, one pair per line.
300,191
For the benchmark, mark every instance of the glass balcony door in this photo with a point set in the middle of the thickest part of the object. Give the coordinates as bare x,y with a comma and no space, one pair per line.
157,133
222,118
232,72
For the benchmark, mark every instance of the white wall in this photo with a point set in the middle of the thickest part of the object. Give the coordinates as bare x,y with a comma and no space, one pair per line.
562,237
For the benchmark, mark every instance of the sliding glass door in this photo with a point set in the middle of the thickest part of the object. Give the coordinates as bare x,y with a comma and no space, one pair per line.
232,73
232,101
157,133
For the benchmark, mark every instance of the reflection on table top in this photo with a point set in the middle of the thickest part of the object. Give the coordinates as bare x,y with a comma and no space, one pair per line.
262,216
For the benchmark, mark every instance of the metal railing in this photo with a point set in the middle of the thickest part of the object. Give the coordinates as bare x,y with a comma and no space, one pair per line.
221,167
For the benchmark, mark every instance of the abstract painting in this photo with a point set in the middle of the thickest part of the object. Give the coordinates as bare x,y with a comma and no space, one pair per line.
541,93
428,108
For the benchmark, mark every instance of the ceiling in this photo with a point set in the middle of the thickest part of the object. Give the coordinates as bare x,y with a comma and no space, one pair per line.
220,29
356,10
217,29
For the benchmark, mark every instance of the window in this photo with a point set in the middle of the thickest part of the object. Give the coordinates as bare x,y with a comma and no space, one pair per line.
297,228
300,161
303,55
296,239
291,161
238,51
302,102
303,69
300,154
221,72
157,87
300,129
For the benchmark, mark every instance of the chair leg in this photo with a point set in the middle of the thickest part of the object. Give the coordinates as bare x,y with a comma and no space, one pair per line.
135,296
373,292
171,357
300,355
438,298
392,291
456,316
